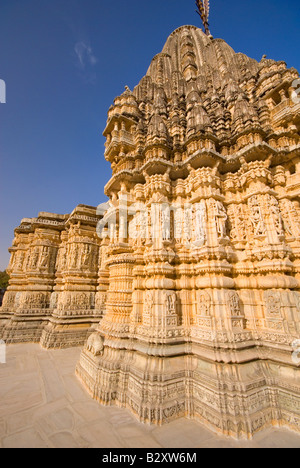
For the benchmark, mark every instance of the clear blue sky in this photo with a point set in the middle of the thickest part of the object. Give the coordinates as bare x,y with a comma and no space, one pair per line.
64,61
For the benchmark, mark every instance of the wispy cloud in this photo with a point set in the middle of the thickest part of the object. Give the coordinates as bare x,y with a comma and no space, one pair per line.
85,61
84,55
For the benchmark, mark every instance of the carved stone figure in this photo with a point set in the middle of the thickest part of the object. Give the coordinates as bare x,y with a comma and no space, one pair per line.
201,223
187,226
86,254
275,215
73,255
62,258
203,303
234,304
20,261
95,344
290,217
238,222
35,258
45,257
149,301
272,299
220,217
82,301
178,228
165,221
148,309
170,303
256,217
100,300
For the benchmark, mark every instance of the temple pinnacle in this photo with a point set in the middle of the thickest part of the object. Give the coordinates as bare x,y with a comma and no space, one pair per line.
203,12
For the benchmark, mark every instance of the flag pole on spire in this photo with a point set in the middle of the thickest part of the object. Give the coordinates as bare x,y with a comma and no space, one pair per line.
203,12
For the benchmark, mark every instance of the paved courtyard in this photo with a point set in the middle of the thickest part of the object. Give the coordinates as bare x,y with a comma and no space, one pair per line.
42,404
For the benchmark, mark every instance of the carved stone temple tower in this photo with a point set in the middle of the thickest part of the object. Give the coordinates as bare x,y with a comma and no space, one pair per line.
54,296
202,288
187,292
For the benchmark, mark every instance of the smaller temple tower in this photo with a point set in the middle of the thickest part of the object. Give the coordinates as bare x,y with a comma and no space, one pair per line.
52,296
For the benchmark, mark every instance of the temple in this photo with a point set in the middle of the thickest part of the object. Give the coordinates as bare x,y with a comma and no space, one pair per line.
187,287
53,296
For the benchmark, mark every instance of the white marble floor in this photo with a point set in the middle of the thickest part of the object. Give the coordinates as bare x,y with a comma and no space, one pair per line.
42,404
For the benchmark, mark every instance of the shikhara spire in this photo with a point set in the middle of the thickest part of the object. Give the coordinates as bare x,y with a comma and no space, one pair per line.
203,12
